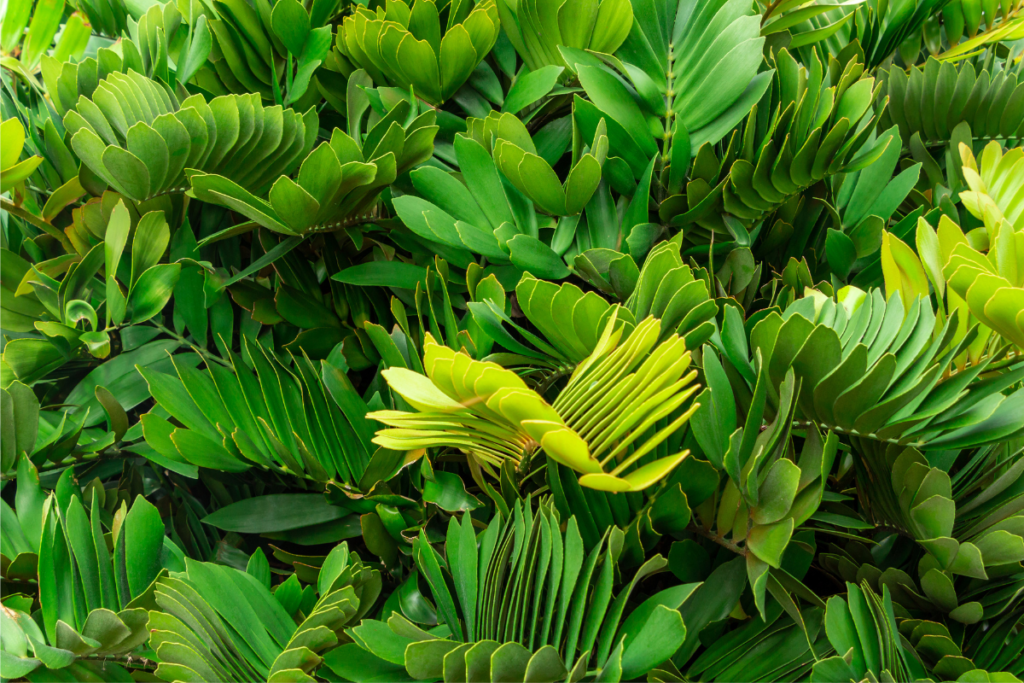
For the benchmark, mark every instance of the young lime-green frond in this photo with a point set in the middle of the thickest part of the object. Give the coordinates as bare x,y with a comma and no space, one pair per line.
12,171
600,424
995,180
992,284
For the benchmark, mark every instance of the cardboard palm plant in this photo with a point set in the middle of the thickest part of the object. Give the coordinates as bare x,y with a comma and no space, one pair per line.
337,183
540,30
403,44
147,147
567,626
600,424
512,341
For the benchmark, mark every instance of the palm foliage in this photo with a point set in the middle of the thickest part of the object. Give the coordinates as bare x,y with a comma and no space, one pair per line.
984,100
528,604
625,386
217,623
133,134
403,45
511,340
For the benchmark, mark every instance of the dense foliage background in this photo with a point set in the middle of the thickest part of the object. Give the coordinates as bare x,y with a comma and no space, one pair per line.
512,340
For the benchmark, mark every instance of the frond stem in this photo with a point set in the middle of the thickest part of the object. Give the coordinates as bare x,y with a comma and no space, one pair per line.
701,531
51,230
206,355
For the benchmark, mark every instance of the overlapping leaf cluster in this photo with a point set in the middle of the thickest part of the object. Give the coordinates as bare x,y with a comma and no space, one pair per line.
511,340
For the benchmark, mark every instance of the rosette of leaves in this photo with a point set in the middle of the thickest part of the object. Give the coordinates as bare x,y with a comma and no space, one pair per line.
968,533
217,623
994,181
159,36
687,74
905,272
766,495
990,285
403,45
493,416
917,406
134,134
71,298
539,29
272,49
512,223
990,102
875,369
938,650
469,215
991,297
919,619
657,288
338,183
529,603
947,253
93,587
571,321
516,157
494,210
811,125
671,291
298,419
66,81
